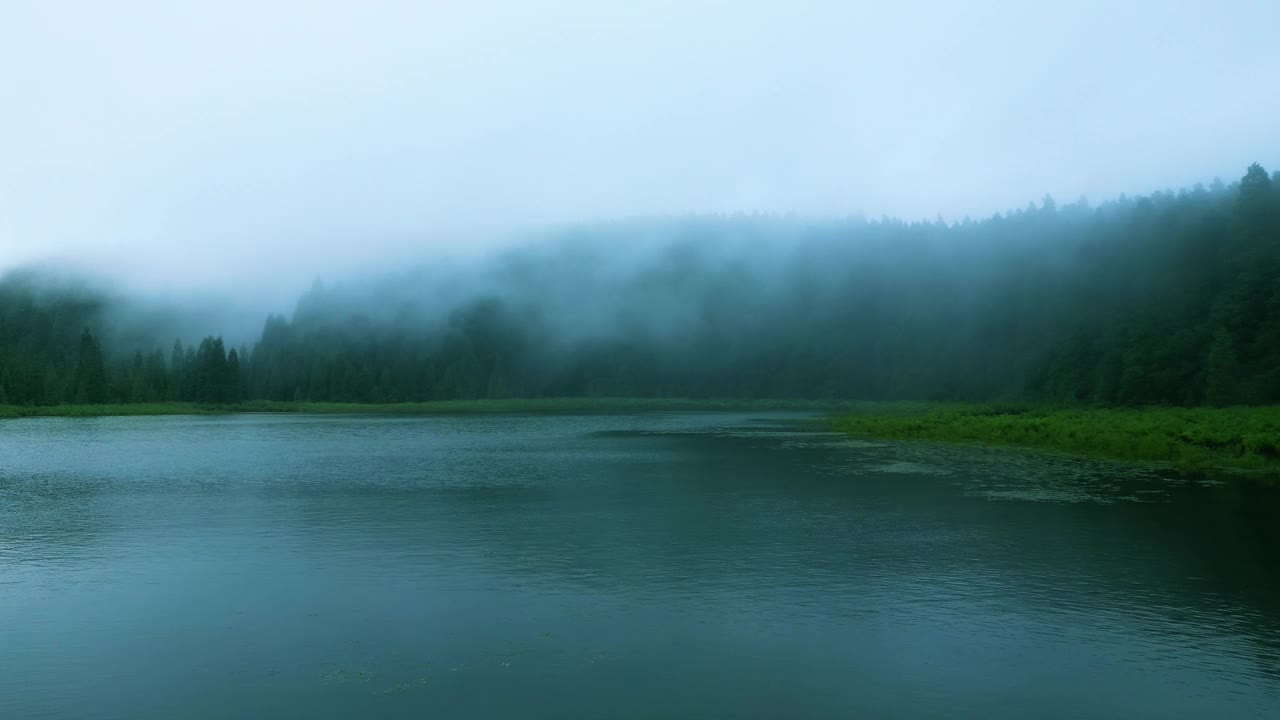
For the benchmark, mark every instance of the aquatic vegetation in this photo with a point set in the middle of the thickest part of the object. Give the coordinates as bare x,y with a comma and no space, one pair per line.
1202,437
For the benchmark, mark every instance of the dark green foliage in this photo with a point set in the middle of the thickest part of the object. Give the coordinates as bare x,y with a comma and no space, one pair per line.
91,373
231,380
1170,299
1238,438
1256,190
1222,370
40,331
178,389
210,372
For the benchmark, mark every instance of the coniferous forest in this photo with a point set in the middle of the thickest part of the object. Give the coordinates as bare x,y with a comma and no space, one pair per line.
1171,298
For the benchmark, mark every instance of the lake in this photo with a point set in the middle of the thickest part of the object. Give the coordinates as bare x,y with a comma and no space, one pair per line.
660,565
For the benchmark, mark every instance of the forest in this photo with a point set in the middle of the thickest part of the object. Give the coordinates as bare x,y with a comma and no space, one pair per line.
1172,298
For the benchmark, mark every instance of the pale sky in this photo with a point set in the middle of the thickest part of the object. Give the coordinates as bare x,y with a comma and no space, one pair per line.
203,144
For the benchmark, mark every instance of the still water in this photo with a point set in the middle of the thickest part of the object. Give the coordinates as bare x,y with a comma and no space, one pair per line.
634,566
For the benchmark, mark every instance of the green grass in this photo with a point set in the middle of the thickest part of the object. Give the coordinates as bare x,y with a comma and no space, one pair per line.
1193,438
543,405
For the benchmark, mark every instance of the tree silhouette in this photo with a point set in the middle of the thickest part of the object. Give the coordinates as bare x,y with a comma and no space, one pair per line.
91,374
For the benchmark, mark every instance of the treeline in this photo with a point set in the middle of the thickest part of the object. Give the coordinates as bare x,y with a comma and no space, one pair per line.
1172,298
1178,303
207,374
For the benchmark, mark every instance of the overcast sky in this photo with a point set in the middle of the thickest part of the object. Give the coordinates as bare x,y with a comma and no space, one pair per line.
204,143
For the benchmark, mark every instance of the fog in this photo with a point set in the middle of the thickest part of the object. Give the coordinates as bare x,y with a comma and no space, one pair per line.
249,148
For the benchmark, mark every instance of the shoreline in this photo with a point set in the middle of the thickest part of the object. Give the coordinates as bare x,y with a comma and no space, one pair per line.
512,405
1237,439
1233,439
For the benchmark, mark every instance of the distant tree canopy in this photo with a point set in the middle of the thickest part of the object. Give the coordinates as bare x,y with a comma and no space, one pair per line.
1172,298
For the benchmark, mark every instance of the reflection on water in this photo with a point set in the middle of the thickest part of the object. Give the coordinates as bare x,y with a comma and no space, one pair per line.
657,565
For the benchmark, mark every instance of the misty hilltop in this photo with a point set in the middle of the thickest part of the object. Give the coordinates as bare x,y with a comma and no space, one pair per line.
1167,298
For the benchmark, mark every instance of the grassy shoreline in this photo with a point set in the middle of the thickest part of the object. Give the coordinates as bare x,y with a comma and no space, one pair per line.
1236,438
513,405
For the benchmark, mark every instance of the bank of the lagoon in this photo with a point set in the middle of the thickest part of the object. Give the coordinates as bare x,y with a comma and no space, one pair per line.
1237,438
509,405
105,410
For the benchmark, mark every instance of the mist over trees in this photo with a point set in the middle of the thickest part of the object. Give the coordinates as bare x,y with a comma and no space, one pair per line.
1170,298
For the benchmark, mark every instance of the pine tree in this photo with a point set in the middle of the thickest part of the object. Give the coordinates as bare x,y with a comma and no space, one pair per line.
232,391
1222,370
1255,186
158,384
52,388
138,381
177,372
91,374
210,371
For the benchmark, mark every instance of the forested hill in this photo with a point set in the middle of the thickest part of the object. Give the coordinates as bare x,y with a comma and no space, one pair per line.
1170,298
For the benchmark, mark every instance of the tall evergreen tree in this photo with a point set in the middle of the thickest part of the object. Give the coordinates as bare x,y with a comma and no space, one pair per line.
138,390
91,374
1255,186
232,391
1221,370
178,372
158,382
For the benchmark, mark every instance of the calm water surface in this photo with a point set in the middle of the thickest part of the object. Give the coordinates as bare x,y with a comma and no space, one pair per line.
646,566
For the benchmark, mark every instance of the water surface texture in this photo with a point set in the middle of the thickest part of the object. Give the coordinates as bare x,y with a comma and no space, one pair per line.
644,566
